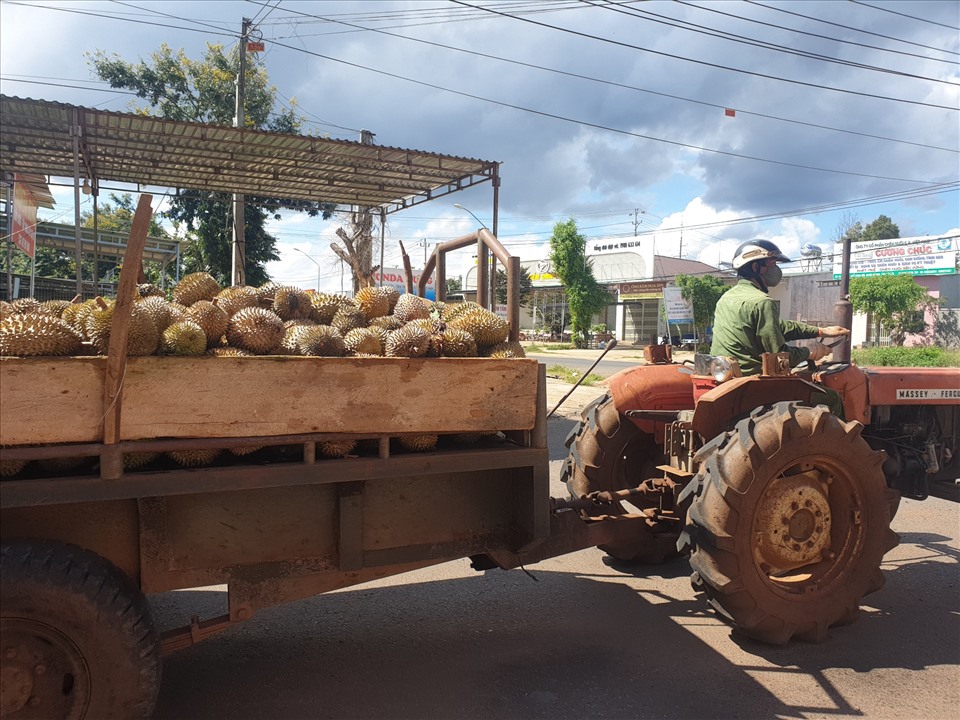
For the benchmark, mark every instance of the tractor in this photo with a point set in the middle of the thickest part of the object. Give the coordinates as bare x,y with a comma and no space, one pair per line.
783,506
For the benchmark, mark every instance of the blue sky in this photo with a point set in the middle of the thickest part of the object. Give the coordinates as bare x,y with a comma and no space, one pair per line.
604,112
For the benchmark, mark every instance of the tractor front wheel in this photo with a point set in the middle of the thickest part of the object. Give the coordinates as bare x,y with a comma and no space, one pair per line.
789,523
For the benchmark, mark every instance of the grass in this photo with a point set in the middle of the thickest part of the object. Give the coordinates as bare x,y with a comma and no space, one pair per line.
569,375
894,356
548,347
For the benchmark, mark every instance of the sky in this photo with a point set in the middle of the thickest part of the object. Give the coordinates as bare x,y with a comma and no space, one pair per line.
694,126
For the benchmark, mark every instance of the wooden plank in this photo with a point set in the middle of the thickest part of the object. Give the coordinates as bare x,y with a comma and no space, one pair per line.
50,400
236,397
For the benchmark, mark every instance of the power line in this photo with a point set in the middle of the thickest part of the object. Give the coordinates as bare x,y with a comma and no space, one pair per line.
912,17
708,64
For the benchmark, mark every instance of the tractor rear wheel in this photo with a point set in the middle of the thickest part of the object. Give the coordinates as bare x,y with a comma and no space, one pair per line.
78,638
608,452
789,523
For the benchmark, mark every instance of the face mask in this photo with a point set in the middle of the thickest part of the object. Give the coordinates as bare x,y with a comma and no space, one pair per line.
773,276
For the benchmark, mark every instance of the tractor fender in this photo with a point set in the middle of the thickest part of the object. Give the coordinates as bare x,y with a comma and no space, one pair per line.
651,387
719,408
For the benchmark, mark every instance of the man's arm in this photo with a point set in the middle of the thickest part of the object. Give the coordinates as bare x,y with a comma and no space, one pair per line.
793,330
770,333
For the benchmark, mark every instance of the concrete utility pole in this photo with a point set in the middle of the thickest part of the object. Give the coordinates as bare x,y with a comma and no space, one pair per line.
843,308
637,212
239,227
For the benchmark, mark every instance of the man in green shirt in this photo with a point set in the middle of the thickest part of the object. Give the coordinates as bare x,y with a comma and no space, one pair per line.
747,321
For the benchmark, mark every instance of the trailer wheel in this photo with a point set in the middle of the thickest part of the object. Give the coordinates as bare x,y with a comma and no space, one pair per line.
608,452
78,639
790,523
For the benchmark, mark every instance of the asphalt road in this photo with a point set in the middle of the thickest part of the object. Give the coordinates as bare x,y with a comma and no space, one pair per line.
577,638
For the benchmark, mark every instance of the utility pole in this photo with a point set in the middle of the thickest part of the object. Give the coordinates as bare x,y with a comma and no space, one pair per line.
636,219
239,227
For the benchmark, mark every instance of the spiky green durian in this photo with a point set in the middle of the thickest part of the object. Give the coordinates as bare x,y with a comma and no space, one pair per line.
321,341
392,295
418,443
9,468
325,306
336,448
194,287
486,327
194,458
6,309
505,350
211,318
35,335
409,341
256,329
373,302
363,341
237,297
452,310
455,342
291,337
160,311
410,307
142,335
388,323
25,306
227,351
183,337
266,292
245,450
137,460
54,308
145,290
292,303
435,329
347,318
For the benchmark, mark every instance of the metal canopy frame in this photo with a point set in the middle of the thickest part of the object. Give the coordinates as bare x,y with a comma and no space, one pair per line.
37,136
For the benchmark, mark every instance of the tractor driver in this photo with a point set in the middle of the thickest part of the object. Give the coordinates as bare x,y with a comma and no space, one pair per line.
747,321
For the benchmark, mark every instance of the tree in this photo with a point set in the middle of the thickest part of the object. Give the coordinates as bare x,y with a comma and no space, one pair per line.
454,285
882,228
178,88
892,300
358,250
585,296
526,287
703,292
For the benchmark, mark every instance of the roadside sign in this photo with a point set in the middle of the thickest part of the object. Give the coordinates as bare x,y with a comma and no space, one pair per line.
679,310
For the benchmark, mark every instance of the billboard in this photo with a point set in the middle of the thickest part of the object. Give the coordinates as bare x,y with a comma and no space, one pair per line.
935,255
678,309
395,278
24,222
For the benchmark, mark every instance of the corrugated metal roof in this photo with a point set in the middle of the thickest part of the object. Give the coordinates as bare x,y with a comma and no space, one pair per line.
36,138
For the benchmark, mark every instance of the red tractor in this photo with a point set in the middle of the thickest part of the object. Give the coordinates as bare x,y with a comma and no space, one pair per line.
783,507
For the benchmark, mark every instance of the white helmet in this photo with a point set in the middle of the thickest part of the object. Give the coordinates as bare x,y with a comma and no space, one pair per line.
753,250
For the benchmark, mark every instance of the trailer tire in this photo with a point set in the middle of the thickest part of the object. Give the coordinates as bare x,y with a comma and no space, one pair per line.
608,452
79,640
789,523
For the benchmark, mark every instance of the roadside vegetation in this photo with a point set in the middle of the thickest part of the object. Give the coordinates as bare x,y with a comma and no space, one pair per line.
569,375
548,347
898,356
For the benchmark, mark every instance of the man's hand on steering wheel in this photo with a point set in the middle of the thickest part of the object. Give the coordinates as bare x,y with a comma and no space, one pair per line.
833,331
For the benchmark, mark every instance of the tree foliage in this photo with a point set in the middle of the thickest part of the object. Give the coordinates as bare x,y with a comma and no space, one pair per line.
585,296
526,287
892,300
883,228
703,292
179,88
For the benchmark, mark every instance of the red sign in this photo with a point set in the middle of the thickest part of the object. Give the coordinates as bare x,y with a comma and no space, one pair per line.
255,47
24,224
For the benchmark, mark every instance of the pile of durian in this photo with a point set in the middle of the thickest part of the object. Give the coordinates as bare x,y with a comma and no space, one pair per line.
202,318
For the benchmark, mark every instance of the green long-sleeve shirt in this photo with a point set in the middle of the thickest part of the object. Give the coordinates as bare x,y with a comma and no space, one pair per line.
747,324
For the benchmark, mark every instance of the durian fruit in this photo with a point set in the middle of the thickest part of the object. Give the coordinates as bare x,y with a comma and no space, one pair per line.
5,309
245,450
325,306
292,303
265,294
33,335
410,307
137,460
211,318
487,328
388,323
435,329
455,342
53,307
160,311
228,351
9,468
392,295
321,341
505,350
195,286
184,337
142,336
25,306
348,317
336,448
291,338
409,341
76,316
373,302
257,330
363,341
237,297
194,458
418,443
145,290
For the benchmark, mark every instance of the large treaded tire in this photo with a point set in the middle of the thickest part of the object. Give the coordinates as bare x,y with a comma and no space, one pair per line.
608,452
78,636
796,487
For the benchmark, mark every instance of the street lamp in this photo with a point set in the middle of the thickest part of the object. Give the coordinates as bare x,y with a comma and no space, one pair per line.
314,262
461,207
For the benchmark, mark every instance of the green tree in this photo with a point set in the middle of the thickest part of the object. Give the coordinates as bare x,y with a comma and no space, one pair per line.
883,228
179,88
454,285
893,301
585,296
526,287
703,292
